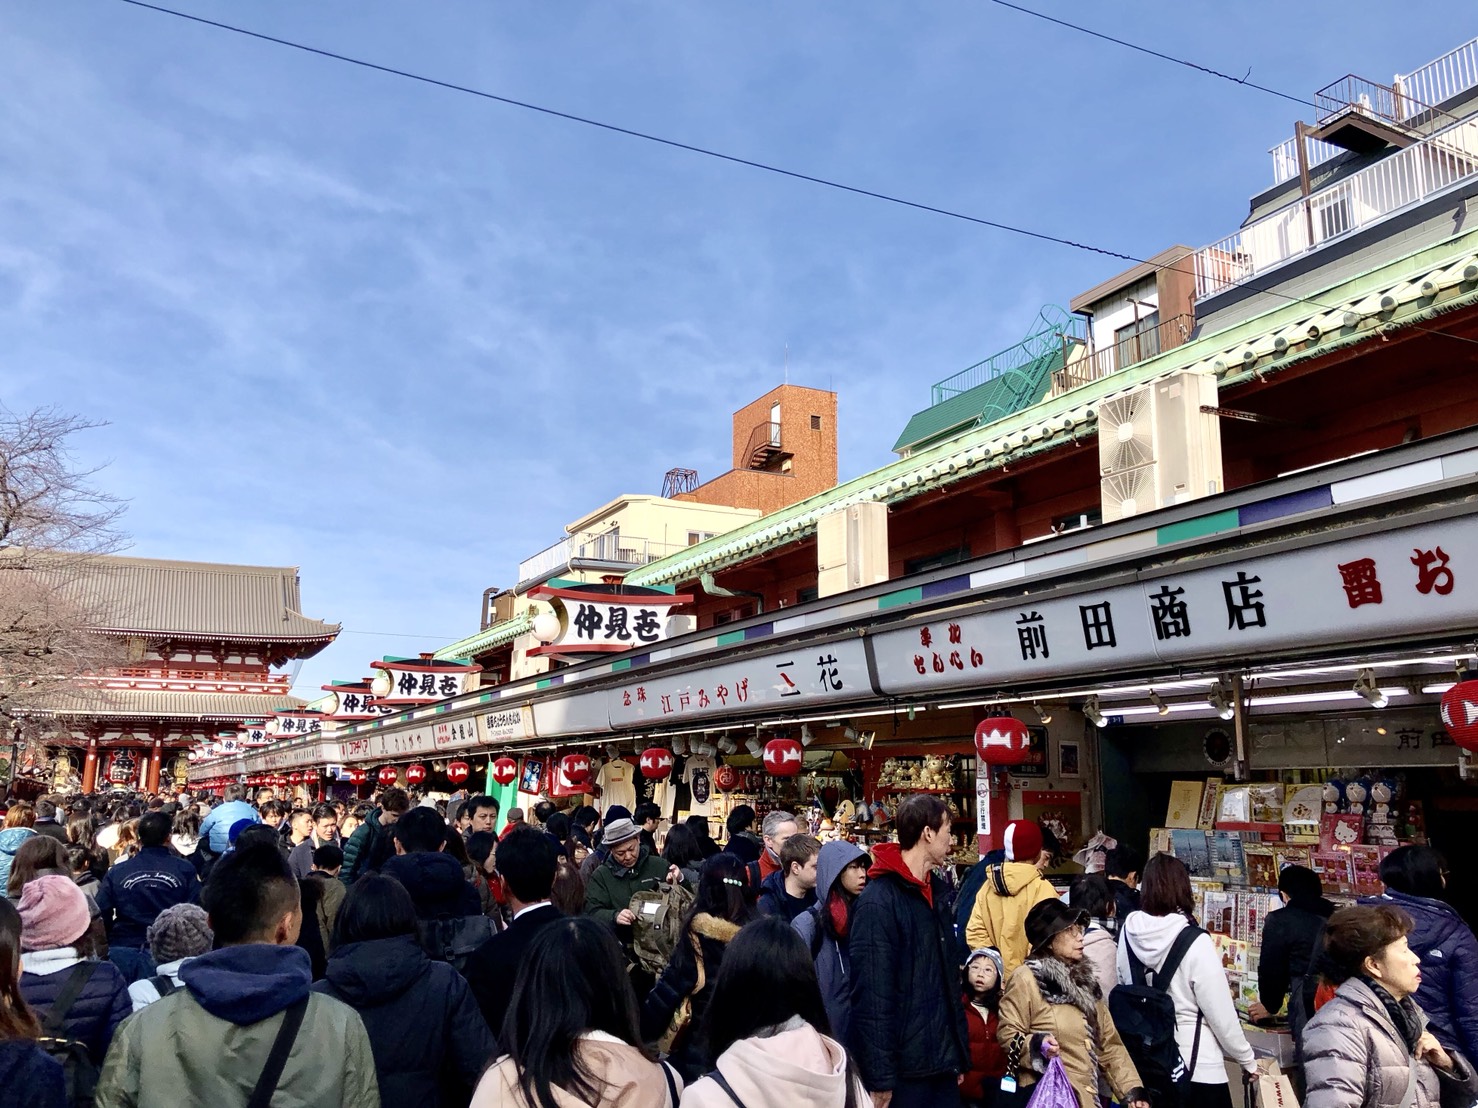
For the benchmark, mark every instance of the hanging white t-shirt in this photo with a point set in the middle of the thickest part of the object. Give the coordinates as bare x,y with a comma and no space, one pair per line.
698,776
664,795
617,781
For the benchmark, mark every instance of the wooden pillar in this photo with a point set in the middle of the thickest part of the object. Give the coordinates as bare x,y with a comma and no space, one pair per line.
90,765
151,777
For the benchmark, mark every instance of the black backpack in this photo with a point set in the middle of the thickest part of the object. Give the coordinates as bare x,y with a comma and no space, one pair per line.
1144,1015
79,1070
453,940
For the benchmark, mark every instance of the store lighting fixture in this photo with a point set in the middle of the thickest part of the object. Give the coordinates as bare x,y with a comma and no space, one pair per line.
807,735
754,746
1365,685
613,751
1043,714
868,738
1159,702
1319,697
1093,714
679,745
1437,690
829,721
1221,700
849,734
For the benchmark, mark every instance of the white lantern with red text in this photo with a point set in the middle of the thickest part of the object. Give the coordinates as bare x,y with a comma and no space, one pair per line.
1002,741
505,770
575,768
458,772
783,757
1460,714
656,763
415,774
386,776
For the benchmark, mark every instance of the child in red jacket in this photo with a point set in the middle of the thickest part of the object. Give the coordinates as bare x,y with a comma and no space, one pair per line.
982,997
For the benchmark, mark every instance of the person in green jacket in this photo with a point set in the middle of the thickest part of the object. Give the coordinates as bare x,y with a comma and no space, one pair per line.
370,846
208,1042
629,868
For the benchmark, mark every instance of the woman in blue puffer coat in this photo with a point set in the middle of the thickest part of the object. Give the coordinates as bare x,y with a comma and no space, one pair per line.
1414,877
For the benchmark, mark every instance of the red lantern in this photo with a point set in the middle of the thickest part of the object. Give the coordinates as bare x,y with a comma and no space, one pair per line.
656,763
783,757
357,776
1002,741
575,768
505,769
726,779
458,772
294,778
387,775
415,774
1460,713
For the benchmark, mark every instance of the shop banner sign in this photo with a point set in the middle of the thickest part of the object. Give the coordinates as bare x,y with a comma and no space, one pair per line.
403,686
770,682
1373,588
454,734
389,744
504,725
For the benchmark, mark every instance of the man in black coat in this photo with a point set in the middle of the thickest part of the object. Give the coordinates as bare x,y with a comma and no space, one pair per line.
1121,866
527,861
1290,944
908,1033
47,822
136,890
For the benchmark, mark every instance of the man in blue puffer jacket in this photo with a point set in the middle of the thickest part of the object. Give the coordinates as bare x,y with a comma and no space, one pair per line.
1414,877
215,828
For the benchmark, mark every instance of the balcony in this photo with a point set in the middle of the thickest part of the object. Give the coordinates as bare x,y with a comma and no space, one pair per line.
1404,104
1098,364
1422,170
608,549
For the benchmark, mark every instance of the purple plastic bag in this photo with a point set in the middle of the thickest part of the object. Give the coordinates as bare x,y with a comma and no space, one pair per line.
1054,1090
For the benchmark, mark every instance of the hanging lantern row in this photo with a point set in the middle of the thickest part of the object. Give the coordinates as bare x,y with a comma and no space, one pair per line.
458,772
1002,741
1460,713
575,768
726,778
783,757
358,775
505,769
387,775
656,763
415,774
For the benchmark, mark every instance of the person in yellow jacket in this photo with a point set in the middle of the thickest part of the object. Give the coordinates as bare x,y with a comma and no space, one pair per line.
1011,890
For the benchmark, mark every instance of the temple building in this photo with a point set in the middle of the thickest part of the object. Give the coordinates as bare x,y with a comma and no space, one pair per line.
197,650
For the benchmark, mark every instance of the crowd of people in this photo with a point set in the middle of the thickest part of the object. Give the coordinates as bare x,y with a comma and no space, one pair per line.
216,950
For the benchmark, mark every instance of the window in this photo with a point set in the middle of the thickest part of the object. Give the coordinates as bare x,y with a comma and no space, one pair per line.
695,537
1138,341
733,615
935,561
815,423
806,595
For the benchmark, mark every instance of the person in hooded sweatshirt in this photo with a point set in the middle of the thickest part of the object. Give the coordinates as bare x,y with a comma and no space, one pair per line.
767,1031
1091,894
207,1043
1291,940
673,1011
791,889
438,887
1198,987
841,875
1415,880
908,1030
1012,889
429,1040
571,1031
30,1076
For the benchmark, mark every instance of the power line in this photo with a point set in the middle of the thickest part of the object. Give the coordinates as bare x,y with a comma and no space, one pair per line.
766,167
1171,58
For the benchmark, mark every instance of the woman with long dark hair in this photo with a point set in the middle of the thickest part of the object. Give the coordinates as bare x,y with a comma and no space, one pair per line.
767,1030
683,850
571,1030
27,1072
673,1011
1207,1028
428,1036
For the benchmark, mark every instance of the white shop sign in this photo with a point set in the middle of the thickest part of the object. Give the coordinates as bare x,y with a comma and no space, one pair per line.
504,725
781,682
292,757
1395,584
454,734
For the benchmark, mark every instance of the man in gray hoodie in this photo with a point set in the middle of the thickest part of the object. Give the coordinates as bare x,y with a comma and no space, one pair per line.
841,874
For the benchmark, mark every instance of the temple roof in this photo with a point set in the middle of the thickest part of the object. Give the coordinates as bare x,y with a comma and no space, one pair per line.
157,704
201,600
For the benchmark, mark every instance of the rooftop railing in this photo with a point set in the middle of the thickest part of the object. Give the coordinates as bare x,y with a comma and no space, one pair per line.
1122,354
608,546
1421,170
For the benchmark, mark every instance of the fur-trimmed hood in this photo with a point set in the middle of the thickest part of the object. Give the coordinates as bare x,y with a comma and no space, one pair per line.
712,927
1064,983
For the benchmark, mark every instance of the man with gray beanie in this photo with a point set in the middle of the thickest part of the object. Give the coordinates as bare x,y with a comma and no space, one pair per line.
176,935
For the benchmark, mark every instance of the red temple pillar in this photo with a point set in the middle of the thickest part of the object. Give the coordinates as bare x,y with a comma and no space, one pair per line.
90,766
151,778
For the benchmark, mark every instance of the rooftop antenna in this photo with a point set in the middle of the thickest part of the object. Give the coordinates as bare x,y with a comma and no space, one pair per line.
787,363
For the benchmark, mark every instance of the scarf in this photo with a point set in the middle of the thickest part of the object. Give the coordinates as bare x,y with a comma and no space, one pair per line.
1072,983
1404,1014
839,911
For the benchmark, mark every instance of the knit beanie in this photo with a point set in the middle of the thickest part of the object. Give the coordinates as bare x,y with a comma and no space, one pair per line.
1023,841
53,913
182,931
993,955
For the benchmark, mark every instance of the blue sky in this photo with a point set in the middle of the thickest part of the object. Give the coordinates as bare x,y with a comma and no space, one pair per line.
399,336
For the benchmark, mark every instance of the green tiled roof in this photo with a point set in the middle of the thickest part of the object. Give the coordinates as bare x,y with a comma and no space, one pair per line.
499,634
1002,395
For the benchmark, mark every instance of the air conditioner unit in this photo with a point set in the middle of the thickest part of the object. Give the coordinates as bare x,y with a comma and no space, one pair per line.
851,548
1158,447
